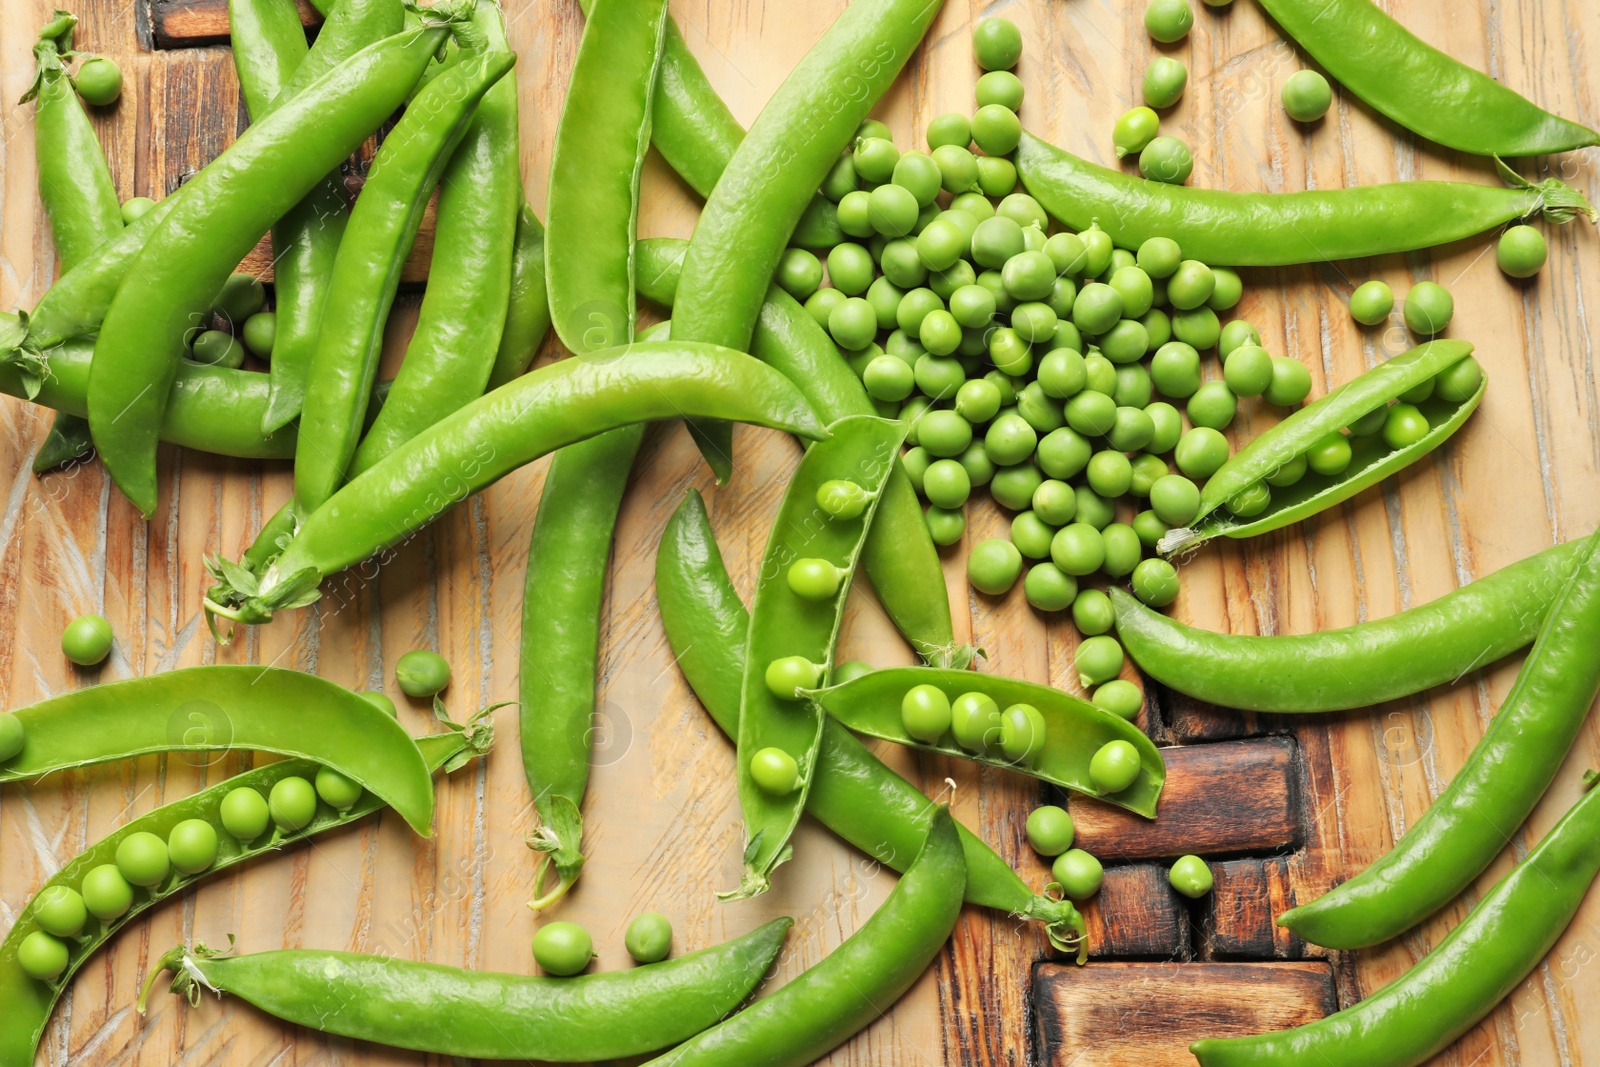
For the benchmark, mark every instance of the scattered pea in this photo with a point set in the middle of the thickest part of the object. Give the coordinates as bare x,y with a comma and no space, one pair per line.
1049,588
993,566
996,43
562,948
1521,251
1092,613
1306,96
422,673
1078,874
1428,308
87,640
1168,21
1371,303
925,713
649,937
1098,659
1191,877
1050,830
1164,81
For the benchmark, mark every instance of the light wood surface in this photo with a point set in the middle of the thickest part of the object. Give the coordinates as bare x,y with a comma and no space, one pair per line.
664,828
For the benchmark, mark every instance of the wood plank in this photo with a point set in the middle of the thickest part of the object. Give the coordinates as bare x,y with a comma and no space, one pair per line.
1240,912
1137,915
192,23
1139,1014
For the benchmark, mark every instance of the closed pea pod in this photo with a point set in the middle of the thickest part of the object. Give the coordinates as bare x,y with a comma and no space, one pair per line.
528,310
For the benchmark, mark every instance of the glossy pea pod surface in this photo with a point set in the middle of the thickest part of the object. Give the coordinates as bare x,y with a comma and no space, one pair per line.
899,556
1278,229
862,450
1372,460
1357,666
857,982
1475,967
1074,729
1420,87
28,1001
218,708
853,793
170,286
528,309
1490,797
481,1014
529,417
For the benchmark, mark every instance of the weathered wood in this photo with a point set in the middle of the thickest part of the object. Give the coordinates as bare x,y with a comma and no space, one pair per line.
1241,910
1137,914
191,23
1139,1014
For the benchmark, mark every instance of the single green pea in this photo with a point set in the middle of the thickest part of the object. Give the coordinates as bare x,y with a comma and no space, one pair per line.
944,433
245,814
260,333
293,804
1120,697
994,566
1120,257
42,957
1031,535
1371,302
1306,96
775,772
940,334
1190,875
875,159
562,948
1049,588
1062,373
1291,382
1287,473
888,378
946,485
1126,342
1078,874
853,324
850,266
1078,549
975,721
106,893
1100,374
994,281
1097,308
1236,333
854,213
972,306
1055,503
787,675
1405,426
995,241
1227,291
1000,87
892,209
649,937
952,128
1155,581
1050,830
1098,248
192,846
799,273
59,910
925,713
87,642
1134,129
941,244
1029,275
1428,308
99,81
1247,370
1115,766
142,859
885,298
1168,21
938,377
1167,427
1092,613
1033,322
842,499
1213,407
1109,473
1167,160
1133,284
977,401
1147,469
873,128
1191,285
1330,455
1175,499
997,176
242,295
422,673
1459,381
1025,211
215,348
1148,525
1067,252
821,303
1250,501
1123,550
1198,328
1521,251
1418,393
1164,81
850,670
1370,424
945,527
979,467
913,307
1010,440
1063,453
918,174
841,179
1159,257
135,208
1022,734
1094,509
1175,369
1063,294
973,203
1201,452
996,44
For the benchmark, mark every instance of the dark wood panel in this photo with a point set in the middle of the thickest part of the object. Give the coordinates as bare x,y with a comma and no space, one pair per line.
190,23
1241,912
1136,913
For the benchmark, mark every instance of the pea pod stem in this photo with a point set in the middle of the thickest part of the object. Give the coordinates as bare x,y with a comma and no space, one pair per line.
1493,793
1278,229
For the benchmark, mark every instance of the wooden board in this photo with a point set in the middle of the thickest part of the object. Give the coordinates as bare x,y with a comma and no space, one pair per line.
1283,808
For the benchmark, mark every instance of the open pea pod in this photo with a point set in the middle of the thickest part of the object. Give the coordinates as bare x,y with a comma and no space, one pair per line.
1074,729
1372,459
218,708
28,1001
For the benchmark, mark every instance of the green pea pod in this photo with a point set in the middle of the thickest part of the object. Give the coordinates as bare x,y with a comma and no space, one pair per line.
900,556
220,708
853,793
751,214
367,273
1372,460
856,983
528,314
1453,987
1490,797
1356,667
268,44
1074,729
527,418
453,350
1420,87
67,442
862,450
480,1014
1277,229
29,1001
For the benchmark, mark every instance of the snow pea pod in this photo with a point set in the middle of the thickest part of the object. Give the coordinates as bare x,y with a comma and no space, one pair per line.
366,273
1277,229
1074,729
219,708
857,982
1420,87
1372,459
529,417
481,1014
464,307
1475,967
528,313
1504,777
225,209
900,556
785,626
29,1001
777,169
1356,667
853,793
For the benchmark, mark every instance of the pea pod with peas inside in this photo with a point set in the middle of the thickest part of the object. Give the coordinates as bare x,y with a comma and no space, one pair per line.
1357,666
852,793
219,708
481,1014
1074,731
471,449
1278,229
1420,87
111,902
1372,457
810,559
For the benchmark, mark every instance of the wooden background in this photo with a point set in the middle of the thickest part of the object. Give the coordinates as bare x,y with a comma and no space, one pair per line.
1280,808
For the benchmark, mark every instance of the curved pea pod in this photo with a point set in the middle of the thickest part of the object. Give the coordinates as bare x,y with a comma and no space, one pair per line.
483,1015
1074,729
29,1001
1278,229
528,312
863,450
1372,460
221,708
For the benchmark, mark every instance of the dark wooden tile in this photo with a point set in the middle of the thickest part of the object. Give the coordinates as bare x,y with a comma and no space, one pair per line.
1136,913
1241,912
